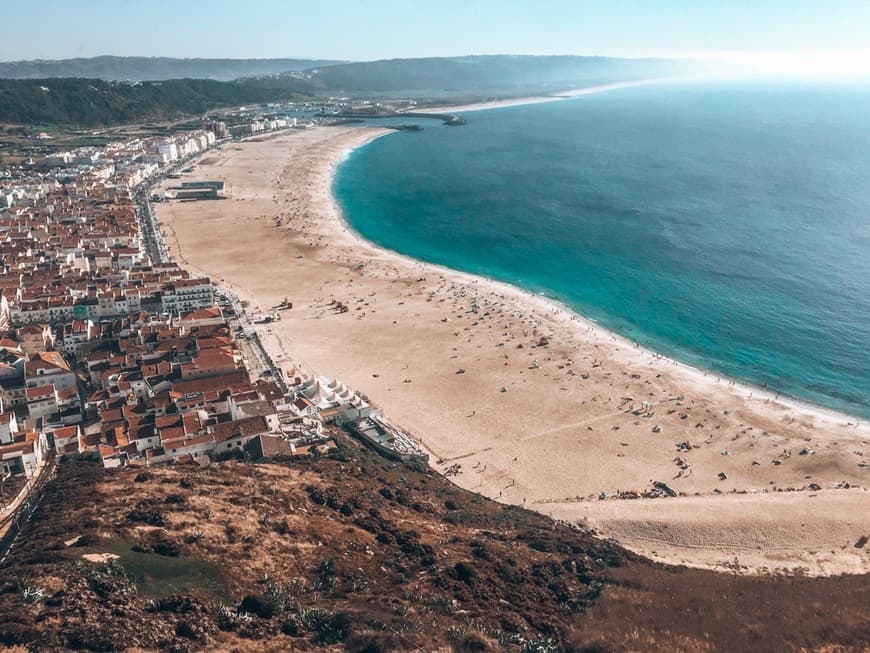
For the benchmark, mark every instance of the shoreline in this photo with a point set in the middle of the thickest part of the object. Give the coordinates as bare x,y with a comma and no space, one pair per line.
556,96
550,439
552,303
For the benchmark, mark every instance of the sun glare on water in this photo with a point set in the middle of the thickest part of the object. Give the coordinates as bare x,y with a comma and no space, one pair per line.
824,64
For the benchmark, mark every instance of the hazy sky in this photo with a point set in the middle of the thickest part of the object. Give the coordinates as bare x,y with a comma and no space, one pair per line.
373,29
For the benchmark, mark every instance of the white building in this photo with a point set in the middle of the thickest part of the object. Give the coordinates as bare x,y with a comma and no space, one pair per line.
186,295
47,368
167,150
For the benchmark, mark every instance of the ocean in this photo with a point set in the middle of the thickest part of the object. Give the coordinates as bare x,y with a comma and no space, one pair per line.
726,224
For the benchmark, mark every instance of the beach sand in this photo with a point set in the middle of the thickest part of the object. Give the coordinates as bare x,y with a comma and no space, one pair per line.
501,103
537,406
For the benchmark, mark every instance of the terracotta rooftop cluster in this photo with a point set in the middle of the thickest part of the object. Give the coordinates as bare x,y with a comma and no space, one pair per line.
103,352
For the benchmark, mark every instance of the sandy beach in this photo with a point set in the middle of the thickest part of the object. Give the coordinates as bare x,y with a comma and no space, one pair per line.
528,402
554,97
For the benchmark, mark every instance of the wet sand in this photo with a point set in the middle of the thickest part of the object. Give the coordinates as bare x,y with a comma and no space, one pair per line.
535,405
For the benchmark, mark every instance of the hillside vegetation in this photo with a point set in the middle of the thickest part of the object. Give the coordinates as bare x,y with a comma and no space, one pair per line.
96,102
154,68
483,76
93,102
354,553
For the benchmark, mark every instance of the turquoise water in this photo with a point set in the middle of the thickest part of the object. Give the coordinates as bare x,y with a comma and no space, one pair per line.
727,225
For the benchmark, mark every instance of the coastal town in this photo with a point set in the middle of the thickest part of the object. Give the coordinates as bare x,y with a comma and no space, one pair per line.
189,292
111,350
488,327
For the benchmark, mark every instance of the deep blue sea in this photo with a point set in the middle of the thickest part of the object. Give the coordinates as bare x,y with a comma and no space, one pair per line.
724,224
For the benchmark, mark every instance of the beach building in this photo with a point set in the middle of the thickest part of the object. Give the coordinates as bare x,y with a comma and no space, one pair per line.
335,402
204,317
386,439
218,128
216,185
186,295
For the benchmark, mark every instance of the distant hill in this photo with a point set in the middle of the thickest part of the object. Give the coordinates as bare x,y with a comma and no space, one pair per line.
489,75
94,102
91,101
154,68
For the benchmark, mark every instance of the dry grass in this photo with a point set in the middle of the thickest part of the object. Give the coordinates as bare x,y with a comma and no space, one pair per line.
359,554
